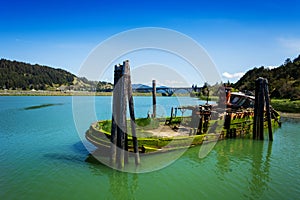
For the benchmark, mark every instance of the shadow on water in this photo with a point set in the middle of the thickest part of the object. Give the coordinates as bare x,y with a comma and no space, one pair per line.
42,106
79,157
79,147
65,157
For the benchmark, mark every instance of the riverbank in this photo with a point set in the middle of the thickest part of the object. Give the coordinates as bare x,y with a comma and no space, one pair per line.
286,105
282,105
70,93
61,93
290,115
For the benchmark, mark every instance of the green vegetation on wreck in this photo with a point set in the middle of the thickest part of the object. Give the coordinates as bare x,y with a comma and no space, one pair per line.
143,124
100,133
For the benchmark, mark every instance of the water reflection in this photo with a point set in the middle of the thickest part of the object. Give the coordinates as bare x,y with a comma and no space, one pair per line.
251,159
241,166
122,185
260,170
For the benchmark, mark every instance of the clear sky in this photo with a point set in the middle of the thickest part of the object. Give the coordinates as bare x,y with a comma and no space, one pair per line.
238,35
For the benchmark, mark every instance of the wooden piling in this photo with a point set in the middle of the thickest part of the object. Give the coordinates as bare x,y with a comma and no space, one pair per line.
115,108
255,118
171,117
121,122
119,137
268,113
227,123
154,97
200,125
132,115
261,110
262,101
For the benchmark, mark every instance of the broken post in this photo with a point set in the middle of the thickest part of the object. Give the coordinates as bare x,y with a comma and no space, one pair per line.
115,108
132,115
268,113
154,97
258,124
262,101
121,120
261,110
119,137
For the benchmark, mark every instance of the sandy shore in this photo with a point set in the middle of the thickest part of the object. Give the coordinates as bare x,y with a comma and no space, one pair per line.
290,115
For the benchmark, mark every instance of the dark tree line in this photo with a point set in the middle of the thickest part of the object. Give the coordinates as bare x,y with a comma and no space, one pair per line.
20,75
284,81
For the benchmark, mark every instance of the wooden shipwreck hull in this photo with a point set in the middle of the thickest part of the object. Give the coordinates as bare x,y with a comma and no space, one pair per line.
183,131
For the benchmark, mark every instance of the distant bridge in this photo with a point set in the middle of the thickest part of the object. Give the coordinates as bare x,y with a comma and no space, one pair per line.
168,91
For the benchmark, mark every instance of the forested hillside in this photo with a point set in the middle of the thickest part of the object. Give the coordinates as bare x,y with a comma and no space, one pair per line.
16,75
284,81
19,75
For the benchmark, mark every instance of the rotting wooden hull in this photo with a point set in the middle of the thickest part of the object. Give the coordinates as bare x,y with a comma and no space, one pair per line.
101,138
240,126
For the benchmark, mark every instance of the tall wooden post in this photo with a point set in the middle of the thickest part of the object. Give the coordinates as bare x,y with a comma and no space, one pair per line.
268,113
115,109
258,127
256,105
262,101
121,120
154,97
200,125
131,111
171,116
119,137
261,109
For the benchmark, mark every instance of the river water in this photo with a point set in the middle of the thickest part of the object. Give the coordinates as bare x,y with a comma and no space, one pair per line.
42,157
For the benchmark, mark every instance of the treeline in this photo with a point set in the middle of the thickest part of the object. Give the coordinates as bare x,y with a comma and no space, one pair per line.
284,81
20,75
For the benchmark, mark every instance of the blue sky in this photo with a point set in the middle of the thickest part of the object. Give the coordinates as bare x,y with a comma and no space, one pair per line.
238,35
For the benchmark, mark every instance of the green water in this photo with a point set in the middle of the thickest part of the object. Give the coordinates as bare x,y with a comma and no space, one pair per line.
42,157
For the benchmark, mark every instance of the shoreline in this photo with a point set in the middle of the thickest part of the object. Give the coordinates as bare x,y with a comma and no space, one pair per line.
290,115
72,93
285,107
61,93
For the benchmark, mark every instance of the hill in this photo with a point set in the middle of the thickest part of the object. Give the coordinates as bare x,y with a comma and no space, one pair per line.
25,76
284,81
22,75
